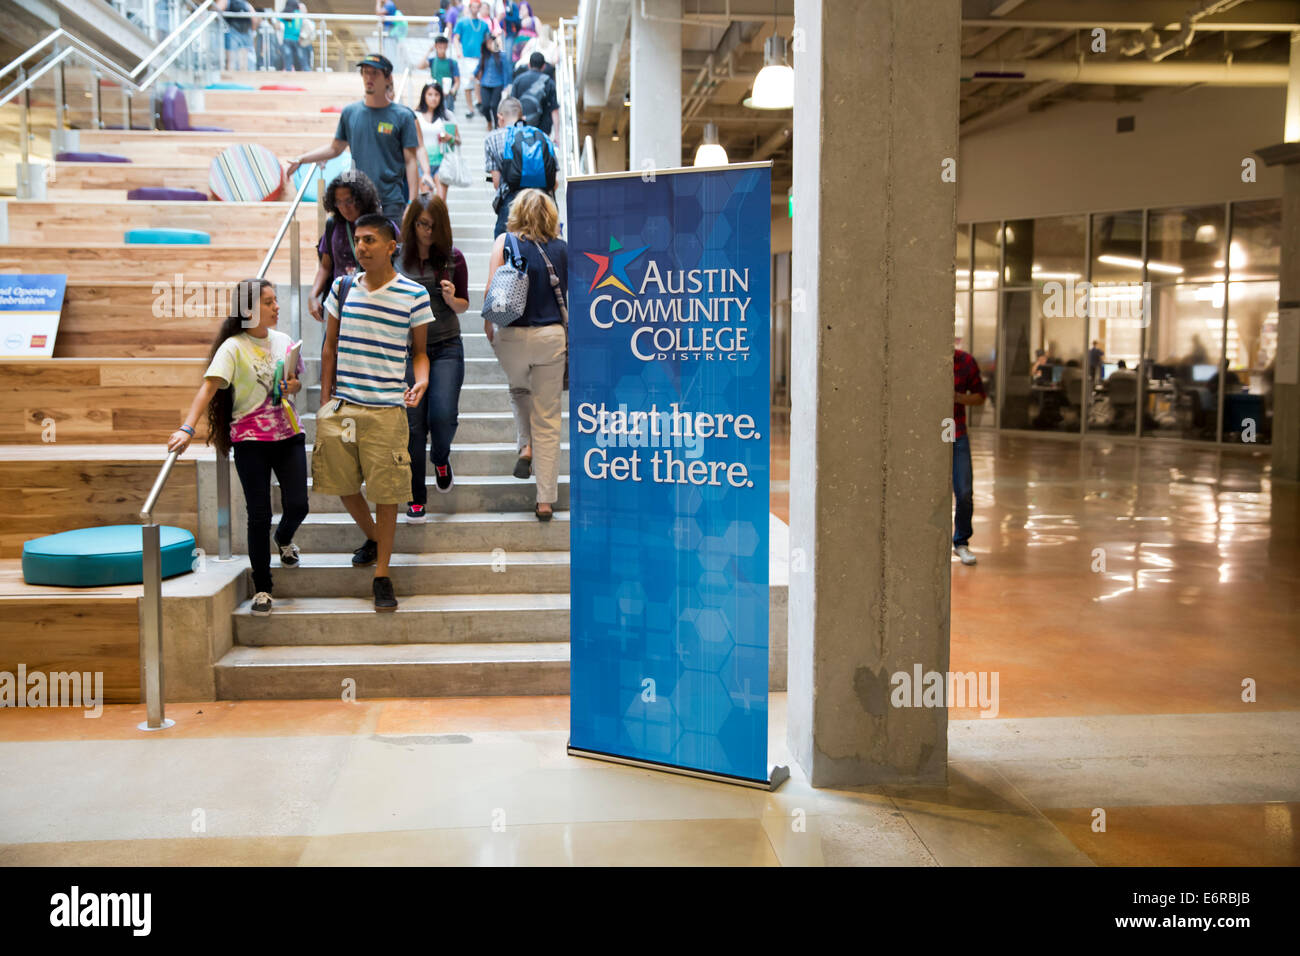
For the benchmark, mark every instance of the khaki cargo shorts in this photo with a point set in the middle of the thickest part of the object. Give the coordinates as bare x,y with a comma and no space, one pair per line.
356,443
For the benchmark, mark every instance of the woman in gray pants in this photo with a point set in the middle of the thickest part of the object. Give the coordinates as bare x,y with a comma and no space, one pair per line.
532,351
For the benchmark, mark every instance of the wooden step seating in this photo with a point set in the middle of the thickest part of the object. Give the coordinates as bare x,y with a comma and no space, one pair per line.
95,401
229,224
50,487
87,261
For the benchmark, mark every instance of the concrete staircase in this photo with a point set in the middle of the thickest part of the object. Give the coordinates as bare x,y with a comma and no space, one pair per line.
483,585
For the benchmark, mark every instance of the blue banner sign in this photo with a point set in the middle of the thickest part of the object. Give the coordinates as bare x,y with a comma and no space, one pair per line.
30,306
669,320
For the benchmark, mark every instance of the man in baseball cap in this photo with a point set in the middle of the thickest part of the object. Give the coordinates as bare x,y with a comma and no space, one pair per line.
378,62
383,138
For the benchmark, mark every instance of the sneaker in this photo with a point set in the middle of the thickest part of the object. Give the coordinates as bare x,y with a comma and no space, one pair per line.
366,554
414,514
385,599
443,478
289,555
965,554
261,604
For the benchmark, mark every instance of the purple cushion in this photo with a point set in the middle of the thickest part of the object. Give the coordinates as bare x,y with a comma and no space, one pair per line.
89,158
175,111
167,195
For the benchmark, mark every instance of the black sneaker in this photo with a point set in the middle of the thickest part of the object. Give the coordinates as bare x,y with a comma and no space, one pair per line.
443,478
385,599
261,604
368,553
289,555
415,514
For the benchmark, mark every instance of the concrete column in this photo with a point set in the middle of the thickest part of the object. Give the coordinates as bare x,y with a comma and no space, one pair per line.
655,134
872,301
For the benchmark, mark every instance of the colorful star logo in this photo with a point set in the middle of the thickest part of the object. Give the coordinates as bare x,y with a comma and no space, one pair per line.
615,266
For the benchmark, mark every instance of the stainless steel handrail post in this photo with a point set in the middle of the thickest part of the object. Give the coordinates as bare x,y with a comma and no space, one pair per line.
151,634
95,100
24,171
223,507
60,99
295,279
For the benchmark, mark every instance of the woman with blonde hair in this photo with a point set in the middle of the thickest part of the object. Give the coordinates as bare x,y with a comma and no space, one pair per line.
534,350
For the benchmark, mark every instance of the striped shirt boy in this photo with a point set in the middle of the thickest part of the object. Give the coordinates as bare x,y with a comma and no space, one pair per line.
373,332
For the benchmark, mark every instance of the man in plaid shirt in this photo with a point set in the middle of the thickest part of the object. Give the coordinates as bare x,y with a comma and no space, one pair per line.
968,390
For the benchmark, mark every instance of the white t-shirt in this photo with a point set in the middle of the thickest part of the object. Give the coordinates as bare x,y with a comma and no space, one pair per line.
248,364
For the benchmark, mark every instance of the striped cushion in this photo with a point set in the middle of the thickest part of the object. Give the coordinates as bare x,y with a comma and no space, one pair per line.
246,173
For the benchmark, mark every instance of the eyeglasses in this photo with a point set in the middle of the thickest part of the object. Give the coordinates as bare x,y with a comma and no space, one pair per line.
424,224
349,201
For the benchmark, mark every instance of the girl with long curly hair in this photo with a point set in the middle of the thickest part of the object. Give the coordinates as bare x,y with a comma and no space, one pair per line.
247,400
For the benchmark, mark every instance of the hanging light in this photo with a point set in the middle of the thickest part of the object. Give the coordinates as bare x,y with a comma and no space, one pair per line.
774,85
710,152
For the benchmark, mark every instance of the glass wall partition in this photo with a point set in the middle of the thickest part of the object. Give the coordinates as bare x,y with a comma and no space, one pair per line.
1159,323
1043,317
1254,255
984,318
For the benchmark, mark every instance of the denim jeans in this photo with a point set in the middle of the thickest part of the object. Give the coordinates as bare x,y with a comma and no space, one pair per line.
963,489
435,416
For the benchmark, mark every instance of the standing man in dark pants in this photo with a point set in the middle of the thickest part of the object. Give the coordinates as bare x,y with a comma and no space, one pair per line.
968,390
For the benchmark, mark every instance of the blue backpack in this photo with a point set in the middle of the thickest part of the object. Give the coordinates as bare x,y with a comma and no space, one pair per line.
528,159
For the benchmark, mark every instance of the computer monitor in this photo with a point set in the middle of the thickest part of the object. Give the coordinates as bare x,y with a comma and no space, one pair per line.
1203,373
1107,368
1058,371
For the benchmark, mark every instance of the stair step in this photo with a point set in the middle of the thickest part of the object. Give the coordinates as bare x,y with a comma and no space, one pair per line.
420,618
465,572
393,670
442,533
470,493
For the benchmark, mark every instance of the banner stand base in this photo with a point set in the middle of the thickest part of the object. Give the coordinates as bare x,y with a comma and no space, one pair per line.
777,776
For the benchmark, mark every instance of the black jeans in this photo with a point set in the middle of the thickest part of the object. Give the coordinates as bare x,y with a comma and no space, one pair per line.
437,414
254,463
489,100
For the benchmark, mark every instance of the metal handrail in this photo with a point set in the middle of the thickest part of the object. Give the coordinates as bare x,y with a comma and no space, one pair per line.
147,511
171,36
588,164
78,48
568,101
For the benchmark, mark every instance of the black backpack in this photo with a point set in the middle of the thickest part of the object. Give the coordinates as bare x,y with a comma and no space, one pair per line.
528,160
531,99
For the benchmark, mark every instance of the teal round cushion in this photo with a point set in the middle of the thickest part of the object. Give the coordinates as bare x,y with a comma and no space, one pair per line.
228,86
96,557
333,168
176,237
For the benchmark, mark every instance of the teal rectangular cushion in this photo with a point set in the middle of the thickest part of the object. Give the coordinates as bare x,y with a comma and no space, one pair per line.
176,237
97,557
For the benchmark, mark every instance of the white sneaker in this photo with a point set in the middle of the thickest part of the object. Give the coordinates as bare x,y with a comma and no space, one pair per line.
289,555
261,604
963,552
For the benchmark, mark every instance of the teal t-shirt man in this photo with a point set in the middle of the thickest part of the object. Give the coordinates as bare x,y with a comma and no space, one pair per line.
472,32
377,137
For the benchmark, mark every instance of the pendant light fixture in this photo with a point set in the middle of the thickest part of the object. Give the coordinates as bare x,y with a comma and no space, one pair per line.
710,151
774,85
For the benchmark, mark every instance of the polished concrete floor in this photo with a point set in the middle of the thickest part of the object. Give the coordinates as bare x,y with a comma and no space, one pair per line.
1124,594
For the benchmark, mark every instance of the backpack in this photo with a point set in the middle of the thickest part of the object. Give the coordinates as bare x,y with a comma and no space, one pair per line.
528,159
531,101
